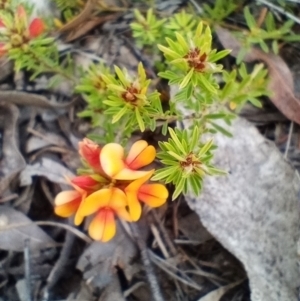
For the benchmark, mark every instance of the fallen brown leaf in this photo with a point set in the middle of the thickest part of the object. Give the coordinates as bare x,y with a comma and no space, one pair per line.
112,291
47,168
13,238
88,25
30,99
22,289
99,260
6,67
87,20
193,229
81,18
42,138
217,294
281,84
82,292
12,162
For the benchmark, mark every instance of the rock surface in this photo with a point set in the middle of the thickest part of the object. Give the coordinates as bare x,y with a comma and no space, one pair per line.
254,211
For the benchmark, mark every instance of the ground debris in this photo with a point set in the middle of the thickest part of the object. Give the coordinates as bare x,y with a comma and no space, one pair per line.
281,82
11,160
16,228
253,211
195,259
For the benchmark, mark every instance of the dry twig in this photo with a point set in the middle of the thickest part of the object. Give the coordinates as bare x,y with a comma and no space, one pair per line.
52,224
154,286
60,264
27,270
289,139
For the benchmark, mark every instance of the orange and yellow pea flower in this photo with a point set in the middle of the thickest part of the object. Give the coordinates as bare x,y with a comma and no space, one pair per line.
90,152
154,195
32,30
116,189
105,203
117,167
36,27
19,31
89,182
67,202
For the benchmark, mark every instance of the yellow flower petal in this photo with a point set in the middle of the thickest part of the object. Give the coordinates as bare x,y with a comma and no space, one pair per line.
95,201
111,158
135,150
68,209
123,214
103,226
135,185
135,208
66,197
232,105
118,199
58,23
128,174
140,155
154,195
78,219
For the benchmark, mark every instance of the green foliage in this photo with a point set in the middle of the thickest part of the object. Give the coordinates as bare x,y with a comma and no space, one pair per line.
288,6
147,30
267,36
192,63
220,10
31,49
126,101
69,4
241,86
5,4
70,8
94,90
29,58
119,103
182,23
187,162
129,98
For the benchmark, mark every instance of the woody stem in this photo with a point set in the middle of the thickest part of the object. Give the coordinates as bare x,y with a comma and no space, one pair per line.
152,280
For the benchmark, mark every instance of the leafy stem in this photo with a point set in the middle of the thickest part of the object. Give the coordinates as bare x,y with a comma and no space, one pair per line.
46,66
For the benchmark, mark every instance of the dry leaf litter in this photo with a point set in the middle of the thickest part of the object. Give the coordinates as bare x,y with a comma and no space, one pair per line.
240,235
